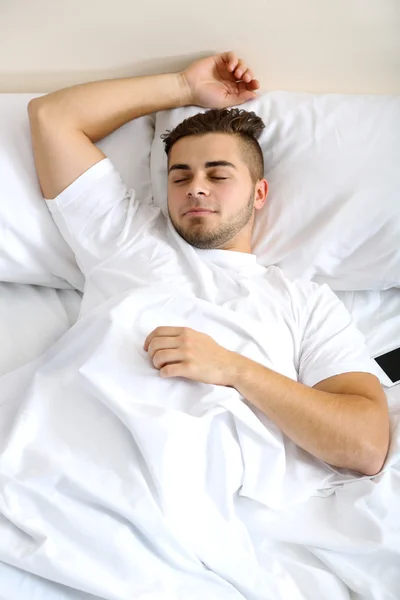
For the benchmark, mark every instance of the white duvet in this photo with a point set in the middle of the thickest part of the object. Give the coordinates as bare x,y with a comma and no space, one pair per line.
119,484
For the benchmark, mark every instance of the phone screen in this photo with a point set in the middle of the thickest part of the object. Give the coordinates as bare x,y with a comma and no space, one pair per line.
390,363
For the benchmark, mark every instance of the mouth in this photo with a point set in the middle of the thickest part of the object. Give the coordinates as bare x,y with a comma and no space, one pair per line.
197,211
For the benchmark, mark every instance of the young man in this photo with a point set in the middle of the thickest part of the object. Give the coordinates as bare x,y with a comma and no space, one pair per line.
311,373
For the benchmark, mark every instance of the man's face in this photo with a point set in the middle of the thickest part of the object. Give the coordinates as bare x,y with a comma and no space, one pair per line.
226,190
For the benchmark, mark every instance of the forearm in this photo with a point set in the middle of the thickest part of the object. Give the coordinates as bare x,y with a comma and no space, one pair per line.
340,429
100,107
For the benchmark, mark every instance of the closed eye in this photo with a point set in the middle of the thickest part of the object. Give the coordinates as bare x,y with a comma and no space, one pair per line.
186,178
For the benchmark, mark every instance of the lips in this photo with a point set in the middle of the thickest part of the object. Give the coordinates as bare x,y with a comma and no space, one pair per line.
194,211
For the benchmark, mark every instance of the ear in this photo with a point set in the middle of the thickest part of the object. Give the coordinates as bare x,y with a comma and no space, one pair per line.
261,193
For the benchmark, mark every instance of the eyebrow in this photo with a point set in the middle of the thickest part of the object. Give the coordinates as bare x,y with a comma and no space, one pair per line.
214,163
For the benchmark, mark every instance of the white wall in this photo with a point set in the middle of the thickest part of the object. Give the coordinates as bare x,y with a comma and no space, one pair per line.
350,46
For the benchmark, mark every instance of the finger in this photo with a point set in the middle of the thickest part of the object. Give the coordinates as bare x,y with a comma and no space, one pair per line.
254,84
161,331
243,87
240,69
251,86
174,370
244,95
230,59
247,76
161,343
164,357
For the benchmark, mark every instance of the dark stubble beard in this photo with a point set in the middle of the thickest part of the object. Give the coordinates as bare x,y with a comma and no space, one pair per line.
200,235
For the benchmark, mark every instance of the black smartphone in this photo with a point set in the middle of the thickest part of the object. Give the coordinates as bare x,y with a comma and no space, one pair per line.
390,365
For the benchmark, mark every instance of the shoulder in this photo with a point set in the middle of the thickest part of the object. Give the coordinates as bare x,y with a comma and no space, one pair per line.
307,299
301,291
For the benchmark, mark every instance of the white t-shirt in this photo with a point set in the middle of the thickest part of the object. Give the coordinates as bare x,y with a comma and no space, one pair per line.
297,328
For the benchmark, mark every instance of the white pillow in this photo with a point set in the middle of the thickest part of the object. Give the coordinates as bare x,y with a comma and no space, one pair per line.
333,166
31,248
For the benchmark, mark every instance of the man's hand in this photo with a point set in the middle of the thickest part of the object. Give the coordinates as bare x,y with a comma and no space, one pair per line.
219,81
184,352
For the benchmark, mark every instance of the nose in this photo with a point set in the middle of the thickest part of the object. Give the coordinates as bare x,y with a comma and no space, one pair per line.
196,188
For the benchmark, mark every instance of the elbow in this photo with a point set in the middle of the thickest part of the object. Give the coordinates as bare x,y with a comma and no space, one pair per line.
38,108
375,444
372,468
374,459
33,107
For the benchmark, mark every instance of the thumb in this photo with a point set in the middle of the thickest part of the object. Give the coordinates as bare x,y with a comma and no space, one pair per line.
245,96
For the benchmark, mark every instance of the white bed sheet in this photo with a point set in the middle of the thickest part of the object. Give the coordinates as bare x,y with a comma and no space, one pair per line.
32,318
353,533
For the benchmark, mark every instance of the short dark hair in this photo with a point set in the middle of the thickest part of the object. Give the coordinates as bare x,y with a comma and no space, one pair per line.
247,126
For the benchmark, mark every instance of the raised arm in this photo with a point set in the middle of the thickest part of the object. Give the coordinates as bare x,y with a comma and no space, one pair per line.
65,124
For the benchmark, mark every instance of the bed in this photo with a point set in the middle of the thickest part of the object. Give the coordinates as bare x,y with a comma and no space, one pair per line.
336,542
